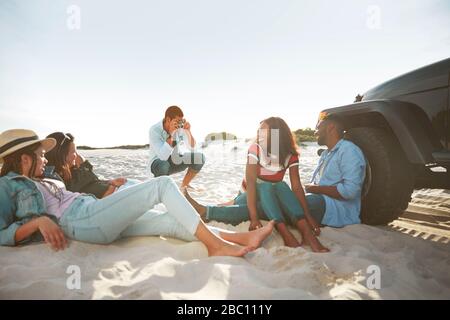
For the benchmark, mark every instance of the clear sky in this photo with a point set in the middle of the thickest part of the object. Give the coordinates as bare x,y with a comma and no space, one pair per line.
228,64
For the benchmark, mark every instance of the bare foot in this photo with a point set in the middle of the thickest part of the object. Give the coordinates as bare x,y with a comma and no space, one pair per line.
230,250
291,242
187,187
197,206
256,237
288,237
312,241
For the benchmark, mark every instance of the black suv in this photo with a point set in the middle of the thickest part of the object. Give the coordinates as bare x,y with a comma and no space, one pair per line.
403,128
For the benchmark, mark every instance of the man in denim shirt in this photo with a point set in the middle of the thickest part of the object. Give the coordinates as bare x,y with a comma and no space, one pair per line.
339,176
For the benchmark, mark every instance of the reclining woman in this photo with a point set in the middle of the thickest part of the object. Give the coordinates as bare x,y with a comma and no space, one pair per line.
33,208
67,165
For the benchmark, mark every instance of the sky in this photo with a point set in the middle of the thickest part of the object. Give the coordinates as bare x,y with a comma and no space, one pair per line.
107,70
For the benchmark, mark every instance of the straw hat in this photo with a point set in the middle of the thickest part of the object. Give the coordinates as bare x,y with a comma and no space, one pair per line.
16,139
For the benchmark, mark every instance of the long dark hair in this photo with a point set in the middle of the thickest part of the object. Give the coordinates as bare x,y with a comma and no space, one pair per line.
12,162
287,144
57,156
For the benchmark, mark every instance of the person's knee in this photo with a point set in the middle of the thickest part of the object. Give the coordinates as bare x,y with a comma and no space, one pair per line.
162,169
165,186
295,217
165,180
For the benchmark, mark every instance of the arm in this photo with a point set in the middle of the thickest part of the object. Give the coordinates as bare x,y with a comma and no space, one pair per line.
250,177
26,230
163,149
79,160
297,188
13,232
169,141
51,232
8,226
353,168
7,234
352,165
118,182
111,189
187,129
191,138
331,191
18,232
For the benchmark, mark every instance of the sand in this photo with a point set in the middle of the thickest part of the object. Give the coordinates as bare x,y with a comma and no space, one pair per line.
412,264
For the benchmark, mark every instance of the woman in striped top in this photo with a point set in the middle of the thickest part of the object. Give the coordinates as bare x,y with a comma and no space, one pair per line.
264,195
267,162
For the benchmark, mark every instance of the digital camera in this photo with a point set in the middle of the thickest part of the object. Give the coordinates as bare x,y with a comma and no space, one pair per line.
180,124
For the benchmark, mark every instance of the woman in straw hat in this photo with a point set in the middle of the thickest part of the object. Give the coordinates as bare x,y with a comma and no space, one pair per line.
32,208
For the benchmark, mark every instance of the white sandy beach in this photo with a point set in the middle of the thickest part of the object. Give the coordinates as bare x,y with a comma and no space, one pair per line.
413,253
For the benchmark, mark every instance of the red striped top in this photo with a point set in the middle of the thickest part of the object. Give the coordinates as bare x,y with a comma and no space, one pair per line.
267,171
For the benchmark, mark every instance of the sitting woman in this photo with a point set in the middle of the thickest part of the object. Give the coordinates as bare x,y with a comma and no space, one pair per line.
76,172
264,194
33,208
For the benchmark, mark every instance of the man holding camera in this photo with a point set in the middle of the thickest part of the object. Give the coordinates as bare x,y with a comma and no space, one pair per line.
171,147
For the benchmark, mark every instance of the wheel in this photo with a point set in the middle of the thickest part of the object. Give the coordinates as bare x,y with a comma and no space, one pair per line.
389,180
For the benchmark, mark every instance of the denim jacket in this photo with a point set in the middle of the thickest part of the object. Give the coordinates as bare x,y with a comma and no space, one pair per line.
20,201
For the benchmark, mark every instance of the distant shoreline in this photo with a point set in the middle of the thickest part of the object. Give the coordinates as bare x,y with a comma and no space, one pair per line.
300,135
126,147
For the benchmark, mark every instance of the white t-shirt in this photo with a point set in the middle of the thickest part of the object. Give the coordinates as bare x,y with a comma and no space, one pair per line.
56,198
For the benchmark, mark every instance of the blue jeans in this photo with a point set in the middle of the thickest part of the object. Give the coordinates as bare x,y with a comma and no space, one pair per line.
127,213
274,202
194,161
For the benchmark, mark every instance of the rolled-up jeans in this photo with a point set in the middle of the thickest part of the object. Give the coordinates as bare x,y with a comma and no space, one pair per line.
128,213
276,201
175,164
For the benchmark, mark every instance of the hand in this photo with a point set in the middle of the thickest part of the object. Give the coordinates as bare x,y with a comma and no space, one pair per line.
173,126
111,189
118,182
79,160
52,233
311,188
254,224
187,126
169,141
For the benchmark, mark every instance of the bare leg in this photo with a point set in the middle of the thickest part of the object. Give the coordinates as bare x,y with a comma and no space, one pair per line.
288,237
201,209
197,206
309,239
217,246
252,238
190,174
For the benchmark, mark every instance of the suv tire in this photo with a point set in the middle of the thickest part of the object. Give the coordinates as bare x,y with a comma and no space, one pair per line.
390,185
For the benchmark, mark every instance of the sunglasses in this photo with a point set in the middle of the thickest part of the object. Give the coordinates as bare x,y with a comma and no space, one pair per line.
67,137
